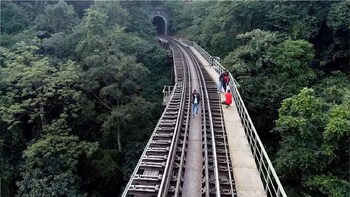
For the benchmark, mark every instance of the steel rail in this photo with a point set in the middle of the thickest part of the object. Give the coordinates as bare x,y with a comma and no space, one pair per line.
185,134
168,167
183,149
205,92
151,184
169,160
207,81
216,169
205,102
201,89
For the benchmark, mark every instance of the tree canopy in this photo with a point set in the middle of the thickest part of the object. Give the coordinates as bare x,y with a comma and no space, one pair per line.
79,96
291,60
80,88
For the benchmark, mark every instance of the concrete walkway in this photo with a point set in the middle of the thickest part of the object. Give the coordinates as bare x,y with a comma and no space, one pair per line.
245,172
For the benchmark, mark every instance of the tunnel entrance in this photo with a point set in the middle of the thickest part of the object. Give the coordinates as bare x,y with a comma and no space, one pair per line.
160,23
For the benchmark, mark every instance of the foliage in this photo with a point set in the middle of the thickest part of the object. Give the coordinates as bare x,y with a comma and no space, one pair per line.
299,20
188,19
104,177
338,15
16,14
139,24
57,18
333,88
249,58
8,40
336,54
35,88
291,60
96,79
301,119
337,126
216,24
50,166
315,137
330,185
78,83
5,169
268,73
58,44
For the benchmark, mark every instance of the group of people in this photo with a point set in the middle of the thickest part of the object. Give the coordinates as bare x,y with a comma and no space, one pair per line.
224,79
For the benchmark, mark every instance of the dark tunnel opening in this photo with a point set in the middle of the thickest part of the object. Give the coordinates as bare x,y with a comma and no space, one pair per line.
159,22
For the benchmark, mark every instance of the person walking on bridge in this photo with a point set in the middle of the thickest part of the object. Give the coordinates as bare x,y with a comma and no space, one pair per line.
196,97
226,80
221,82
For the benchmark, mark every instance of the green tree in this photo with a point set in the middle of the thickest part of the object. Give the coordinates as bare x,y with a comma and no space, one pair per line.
338,125
140,24
114,124
50,166
269,73
330,185
104,173
216,24
301,119
59,45
35,88
336,53
113,78
299,20
292,60
6,170
57,18
333,87
250,58
314,137
323,24
8,40
114,85
188,19
13,18
114,12
58,92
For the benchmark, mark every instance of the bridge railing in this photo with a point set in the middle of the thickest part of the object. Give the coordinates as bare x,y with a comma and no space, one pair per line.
271,182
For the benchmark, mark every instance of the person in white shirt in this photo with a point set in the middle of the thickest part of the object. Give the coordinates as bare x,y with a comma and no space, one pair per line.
196,98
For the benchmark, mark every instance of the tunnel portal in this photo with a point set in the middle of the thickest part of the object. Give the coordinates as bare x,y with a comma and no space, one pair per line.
160,23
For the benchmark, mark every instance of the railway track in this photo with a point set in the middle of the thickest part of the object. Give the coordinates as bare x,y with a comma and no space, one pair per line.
218,170
161,168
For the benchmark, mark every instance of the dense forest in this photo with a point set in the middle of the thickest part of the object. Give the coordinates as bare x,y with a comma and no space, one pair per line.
291,60
81,81
80,94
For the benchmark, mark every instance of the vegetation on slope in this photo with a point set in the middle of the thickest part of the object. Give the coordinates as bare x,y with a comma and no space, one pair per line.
80,83
80,93
292,62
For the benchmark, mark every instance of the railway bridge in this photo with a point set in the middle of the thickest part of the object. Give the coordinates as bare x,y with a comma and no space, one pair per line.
216,152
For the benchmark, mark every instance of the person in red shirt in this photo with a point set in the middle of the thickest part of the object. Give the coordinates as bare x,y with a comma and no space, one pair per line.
228,97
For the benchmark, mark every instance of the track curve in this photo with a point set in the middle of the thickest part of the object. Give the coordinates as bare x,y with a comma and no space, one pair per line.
166,167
